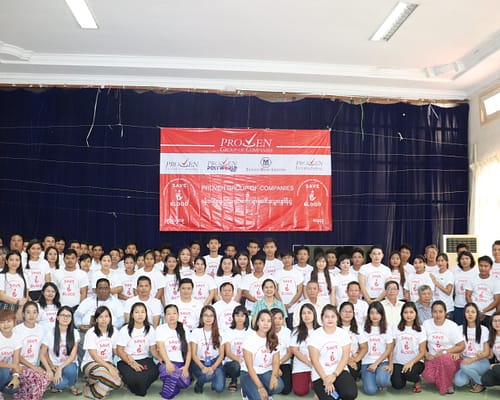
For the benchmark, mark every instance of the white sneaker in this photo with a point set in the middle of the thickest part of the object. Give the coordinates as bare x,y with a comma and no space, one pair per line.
242,397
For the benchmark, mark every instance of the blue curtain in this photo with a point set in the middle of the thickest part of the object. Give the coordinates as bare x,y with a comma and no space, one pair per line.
399,171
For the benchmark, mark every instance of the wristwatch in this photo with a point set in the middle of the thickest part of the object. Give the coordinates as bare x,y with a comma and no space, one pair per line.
445,352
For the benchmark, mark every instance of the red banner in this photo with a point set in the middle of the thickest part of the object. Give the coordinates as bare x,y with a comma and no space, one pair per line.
245,180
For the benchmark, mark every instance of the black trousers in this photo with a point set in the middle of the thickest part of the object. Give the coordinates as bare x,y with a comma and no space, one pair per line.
398,378
139,382
356,373
344,385
286,375
492,376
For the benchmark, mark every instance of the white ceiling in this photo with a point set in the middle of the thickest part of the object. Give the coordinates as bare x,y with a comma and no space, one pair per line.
447,49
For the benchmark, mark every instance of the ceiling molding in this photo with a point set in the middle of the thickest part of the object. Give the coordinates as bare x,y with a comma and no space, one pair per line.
225,85
14,51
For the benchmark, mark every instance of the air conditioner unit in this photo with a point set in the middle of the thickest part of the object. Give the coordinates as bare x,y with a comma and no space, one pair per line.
450,243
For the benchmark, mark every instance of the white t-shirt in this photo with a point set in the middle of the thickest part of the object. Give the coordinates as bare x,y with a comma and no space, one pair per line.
234,280
170,340
35,275
171,291
113,278
377,344
406,343
138,343
323,294
461,278
284,338
409,269
413,282
396,276
8,346
360,313
303,347
356,339
235,338
304,271
471,346
47,316
69,284
330,348
272,267
128,282
31,340
186,272
262,357
12,284
224,313
375,278
189,313
340,283
86,310
495,271
445,279
48,340
157,280
254,286
441,337
212,264
496,347
153,306
288,281
434,269
205,349
483,291
104,346
202,287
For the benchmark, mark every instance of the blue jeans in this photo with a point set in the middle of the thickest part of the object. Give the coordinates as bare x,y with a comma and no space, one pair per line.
218,378
372,381
69,375
250,390
470,371
232,369
5,378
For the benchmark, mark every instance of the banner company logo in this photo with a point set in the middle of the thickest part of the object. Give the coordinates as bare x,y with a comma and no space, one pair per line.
309,165
265,162
184,165
222,166
249,144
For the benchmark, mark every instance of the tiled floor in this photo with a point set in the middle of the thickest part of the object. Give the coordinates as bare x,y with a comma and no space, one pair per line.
429,393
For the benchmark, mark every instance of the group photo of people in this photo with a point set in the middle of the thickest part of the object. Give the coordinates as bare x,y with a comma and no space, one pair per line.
254,321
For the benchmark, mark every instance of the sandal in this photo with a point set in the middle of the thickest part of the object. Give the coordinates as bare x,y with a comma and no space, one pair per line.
54,390
450,390
417,387
477,388
75,391
232,387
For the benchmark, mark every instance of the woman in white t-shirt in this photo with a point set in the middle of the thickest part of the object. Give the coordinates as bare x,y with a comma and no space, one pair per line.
359,346
128,278
492,376
34,380
299,345
409,349
172,274
59,351
476,353
10,350
99,344
260,372
36,270
204,289
464,273
207,351
48,305
445,343
233,338
377,365
135,346
444,281
329,350
284,336
13,287
172,342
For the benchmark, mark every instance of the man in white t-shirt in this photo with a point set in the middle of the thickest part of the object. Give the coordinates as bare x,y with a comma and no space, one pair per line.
272,264
302,266
224,307
153,306
495,271
212,259
189,308
72,282
484,290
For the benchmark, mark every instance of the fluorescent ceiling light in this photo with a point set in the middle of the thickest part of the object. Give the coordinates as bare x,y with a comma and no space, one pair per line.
82,13
393,22
492,104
